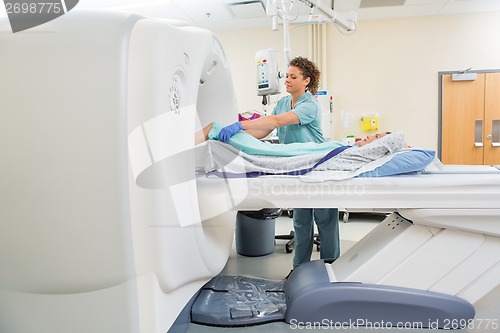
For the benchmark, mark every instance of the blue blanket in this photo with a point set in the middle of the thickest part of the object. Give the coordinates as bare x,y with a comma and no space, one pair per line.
298,172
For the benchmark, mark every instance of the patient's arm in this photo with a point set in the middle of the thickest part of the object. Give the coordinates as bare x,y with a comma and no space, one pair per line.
202,135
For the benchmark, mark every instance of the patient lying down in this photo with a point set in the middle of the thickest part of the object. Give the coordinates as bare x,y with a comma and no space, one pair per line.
246,154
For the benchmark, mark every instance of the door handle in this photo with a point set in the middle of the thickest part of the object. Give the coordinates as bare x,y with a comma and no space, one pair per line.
495,135
478,133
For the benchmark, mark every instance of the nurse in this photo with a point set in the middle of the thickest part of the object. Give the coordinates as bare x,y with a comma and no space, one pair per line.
297,118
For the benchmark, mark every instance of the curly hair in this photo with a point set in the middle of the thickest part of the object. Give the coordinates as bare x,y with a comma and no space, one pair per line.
309,70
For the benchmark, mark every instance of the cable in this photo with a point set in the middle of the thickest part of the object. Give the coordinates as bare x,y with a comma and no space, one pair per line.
350,32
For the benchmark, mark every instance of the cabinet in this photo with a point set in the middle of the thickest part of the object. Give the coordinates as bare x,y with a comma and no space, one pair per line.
470,119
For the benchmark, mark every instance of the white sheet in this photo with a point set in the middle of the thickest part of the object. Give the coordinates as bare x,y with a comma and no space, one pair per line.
223,158
439,189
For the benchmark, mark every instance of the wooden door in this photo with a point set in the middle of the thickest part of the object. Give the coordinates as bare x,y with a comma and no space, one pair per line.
492,120
462,110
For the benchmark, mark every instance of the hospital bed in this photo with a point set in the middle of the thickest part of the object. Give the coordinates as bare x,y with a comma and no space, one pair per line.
107,227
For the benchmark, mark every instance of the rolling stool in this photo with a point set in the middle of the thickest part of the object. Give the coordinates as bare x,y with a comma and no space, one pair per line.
290,237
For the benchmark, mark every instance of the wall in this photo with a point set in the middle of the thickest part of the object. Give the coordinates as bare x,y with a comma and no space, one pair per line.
242,45
389,67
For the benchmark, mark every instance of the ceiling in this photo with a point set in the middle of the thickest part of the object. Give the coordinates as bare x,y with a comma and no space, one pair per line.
219,15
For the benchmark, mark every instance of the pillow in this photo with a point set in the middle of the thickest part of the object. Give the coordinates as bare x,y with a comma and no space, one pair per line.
406,161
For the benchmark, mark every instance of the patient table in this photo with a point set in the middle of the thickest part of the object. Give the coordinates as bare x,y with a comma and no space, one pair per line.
105,225
444,236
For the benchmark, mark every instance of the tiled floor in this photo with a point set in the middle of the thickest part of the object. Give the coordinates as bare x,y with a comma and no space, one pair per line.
278,264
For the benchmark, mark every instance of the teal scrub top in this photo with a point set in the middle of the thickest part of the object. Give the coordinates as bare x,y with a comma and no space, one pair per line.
308,111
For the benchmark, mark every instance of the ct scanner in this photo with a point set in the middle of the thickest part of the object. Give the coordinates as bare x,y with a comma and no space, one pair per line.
106,225
97,238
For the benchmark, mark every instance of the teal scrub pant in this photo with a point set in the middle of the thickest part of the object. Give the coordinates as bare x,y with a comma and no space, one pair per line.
327,220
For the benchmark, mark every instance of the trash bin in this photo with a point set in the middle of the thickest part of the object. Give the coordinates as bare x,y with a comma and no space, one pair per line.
254,235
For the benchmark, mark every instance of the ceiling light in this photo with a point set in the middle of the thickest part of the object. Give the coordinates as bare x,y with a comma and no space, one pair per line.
248,9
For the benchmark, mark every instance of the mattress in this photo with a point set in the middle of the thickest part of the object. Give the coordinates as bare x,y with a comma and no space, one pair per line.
453,187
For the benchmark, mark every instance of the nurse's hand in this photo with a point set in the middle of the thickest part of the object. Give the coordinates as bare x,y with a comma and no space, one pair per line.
227,132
